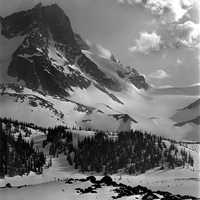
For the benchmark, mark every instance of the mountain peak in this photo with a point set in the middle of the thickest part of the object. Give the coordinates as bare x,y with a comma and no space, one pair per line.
50,58
47,18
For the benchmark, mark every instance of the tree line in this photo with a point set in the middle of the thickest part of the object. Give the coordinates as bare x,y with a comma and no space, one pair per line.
133,152
17,156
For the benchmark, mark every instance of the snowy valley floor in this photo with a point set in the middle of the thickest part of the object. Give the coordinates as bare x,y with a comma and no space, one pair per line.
181,181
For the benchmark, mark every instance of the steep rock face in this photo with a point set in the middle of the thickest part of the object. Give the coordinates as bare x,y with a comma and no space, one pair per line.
81,43
45,28
99,76
52,17
124,117
48,37
134,77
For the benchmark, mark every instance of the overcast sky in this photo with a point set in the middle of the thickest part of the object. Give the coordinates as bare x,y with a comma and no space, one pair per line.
160,38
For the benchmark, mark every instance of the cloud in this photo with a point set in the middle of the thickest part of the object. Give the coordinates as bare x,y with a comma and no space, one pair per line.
103,51
179,61
173,10
99,50
172,35
177,35
176,22
147,42
159,74
188,34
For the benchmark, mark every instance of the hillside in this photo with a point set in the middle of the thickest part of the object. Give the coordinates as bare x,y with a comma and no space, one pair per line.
62,142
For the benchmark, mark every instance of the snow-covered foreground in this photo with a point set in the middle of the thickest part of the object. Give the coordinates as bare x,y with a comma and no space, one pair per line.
178,181
61,191
182,181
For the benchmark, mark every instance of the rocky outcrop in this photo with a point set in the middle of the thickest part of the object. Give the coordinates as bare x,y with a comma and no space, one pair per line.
134,77
46,31
44,28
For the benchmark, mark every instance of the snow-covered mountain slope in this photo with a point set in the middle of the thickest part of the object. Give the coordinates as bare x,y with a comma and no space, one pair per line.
189,116
64,80
26,105
188,113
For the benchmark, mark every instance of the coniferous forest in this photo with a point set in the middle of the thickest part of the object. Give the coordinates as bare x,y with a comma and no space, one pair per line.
132,152
17,156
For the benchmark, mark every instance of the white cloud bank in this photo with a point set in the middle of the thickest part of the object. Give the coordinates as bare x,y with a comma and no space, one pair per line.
175,25
100,50
147,42
173,9
188,34
159,74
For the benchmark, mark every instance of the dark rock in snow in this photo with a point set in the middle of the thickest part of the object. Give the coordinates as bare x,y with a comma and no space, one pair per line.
106,180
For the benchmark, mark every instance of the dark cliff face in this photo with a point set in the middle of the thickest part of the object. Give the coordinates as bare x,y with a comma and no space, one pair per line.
139,82
81,43
50,17
87,66
134,77
30,62
124,117
40,26
46,27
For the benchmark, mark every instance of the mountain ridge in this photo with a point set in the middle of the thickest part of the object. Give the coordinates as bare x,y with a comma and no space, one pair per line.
69,81
41,26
